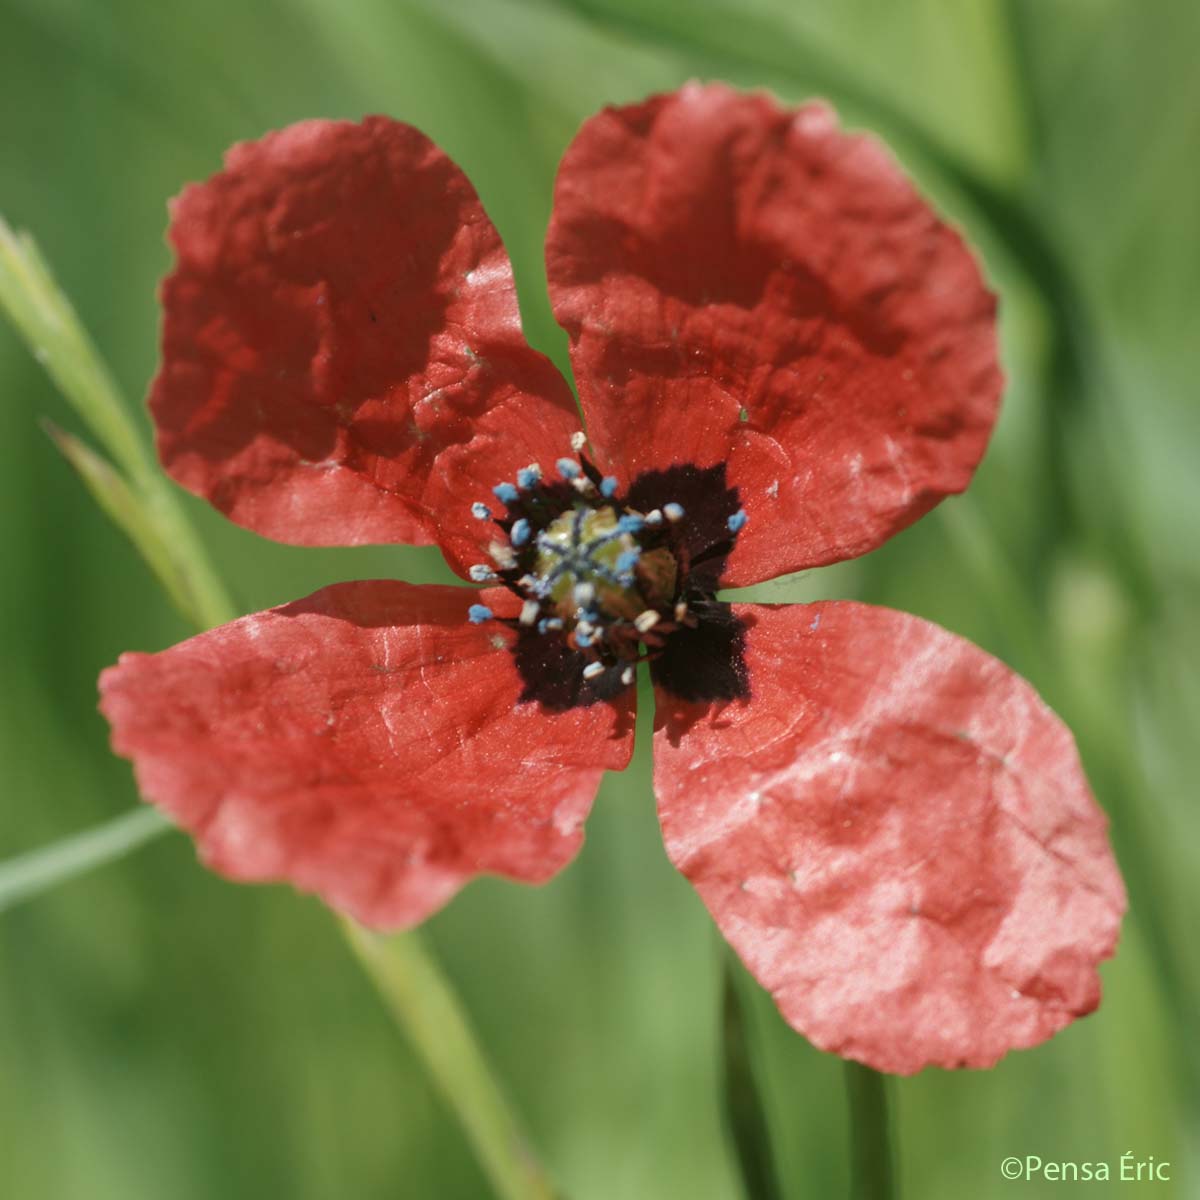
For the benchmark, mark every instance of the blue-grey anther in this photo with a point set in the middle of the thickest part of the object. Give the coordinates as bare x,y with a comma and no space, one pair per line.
609,580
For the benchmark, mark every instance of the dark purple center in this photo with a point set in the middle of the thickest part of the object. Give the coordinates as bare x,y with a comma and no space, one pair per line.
610,579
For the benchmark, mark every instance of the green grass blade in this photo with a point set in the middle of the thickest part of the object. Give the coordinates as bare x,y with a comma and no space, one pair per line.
47,321
423,1003
29,875
118,501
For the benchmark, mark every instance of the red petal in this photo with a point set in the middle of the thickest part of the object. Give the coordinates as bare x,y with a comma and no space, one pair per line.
341,332
749,285
895,834
365,744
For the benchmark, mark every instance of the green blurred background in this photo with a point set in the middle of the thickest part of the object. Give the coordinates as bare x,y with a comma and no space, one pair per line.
165,1034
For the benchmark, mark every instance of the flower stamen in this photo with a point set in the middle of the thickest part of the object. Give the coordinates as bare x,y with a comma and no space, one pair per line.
593,570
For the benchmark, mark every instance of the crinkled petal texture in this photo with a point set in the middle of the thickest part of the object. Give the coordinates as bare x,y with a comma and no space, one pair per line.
895,834
342,356
749,285
367,745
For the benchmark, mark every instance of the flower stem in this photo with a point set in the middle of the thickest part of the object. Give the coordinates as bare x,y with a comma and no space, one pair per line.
745,1113
423,1002
872,1176
27,875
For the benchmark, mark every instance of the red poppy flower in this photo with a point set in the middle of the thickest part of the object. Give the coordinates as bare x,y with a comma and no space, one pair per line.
783,358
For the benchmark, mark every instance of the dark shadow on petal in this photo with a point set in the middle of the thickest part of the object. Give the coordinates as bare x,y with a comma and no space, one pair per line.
552,675
708,502
707,663
380,603
331,293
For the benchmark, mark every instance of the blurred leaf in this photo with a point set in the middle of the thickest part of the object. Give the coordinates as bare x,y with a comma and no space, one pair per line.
511,33
864,54
872,1171
744,1108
